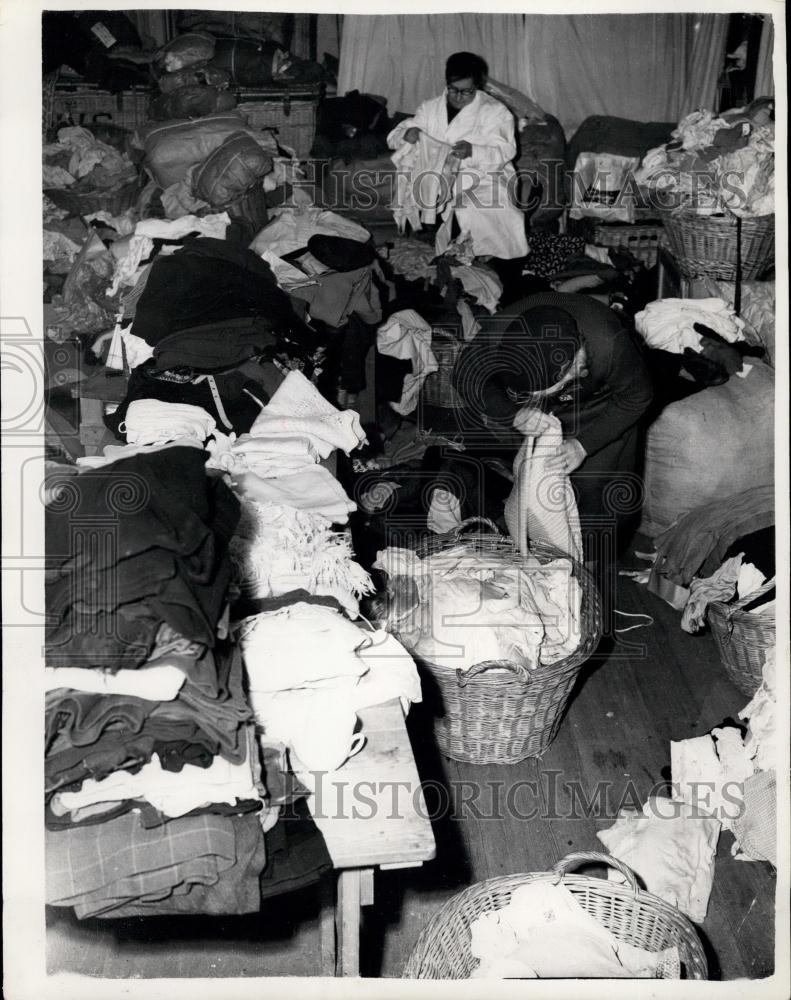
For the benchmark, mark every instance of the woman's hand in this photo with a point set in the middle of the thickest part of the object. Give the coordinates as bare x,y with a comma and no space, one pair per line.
462,149
569,456
412,134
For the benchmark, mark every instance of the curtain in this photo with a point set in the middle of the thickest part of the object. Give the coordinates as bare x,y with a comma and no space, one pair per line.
402,57
636,66
707,61
764,78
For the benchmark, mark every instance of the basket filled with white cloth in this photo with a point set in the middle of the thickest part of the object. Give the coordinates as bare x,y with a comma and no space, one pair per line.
500,636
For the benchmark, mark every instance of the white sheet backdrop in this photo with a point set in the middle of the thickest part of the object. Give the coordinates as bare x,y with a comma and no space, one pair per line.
650,67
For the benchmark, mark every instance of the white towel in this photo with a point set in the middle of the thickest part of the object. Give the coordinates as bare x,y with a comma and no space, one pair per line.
541,506
152,421
407,335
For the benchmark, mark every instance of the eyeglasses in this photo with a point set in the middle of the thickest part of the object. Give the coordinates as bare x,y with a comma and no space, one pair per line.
466,92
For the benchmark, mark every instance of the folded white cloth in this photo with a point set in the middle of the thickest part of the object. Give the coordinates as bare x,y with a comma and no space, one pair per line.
299,646
115,452
668,324
297,409
152,421
312,489
154,683
406,335
173,793
391,674
671,846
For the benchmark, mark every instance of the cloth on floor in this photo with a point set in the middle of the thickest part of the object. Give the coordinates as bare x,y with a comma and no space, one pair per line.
407,335
709,772
411,258
101,867
155,682
761,741
334,296
214,226
697,543
720,586
297,409
756,828
541,507
544,933
481,283
671,847
296,853
669,324
472,608
277,550
293,227
549,252
444,512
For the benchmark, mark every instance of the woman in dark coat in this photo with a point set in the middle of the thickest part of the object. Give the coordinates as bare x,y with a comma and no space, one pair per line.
569,355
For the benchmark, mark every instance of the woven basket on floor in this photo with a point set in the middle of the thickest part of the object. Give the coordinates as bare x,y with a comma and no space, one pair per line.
632,915
292,111
113,200
641,239
743,638
705,245
499,712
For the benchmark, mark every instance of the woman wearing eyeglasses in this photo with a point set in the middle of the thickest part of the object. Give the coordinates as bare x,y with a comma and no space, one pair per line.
478,131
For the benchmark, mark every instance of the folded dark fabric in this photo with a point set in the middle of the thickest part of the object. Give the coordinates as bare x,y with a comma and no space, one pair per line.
122,638
341,254
236,890
99,868
296,853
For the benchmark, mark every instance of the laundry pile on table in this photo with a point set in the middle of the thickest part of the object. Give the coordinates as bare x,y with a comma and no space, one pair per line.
716,162
458,609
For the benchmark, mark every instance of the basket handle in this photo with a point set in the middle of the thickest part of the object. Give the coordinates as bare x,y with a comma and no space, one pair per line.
579,858
731,609
475,520
464,676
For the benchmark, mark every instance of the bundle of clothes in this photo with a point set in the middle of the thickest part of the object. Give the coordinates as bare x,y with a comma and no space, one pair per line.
706,335
456,608
716,162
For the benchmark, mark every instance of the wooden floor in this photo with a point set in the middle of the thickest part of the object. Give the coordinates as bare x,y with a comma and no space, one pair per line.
631,701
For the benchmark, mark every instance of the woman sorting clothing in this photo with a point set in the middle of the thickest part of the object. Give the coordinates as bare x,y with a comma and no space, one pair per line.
571,356
479,132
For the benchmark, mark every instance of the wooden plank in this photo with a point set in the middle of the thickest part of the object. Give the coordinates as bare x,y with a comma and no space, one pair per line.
348,912
366,887
327,944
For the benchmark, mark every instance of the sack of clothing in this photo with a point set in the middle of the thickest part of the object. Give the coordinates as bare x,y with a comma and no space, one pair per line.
710,445
231,170
199,74
194,101
249,62
186,50
171,148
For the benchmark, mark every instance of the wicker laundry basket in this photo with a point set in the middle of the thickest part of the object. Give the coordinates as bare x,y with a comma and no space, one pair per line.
632,915
743,638
642,239
706,245
86,104
113,200
499,712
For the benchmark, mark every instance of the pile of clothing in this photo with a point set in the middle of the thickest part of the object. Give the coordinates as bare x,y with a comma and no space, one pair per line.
717,162
544,933
731,774
707,334
310,670
152,780
457,609
78,161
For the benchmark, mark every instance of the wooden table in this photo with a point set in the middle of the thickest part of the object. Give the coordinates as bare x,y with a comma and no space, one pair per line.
372,814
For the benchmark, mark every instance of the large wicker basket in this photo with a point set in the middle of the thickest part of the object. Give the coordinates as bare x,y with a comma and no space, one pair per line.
642,239
632,915
706,245
499,712
86,104
113,200
743,638
291,111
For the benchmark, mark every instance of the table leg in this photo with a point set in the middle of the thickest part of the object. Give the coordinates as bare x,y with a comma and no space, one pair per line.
327,925
348,917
